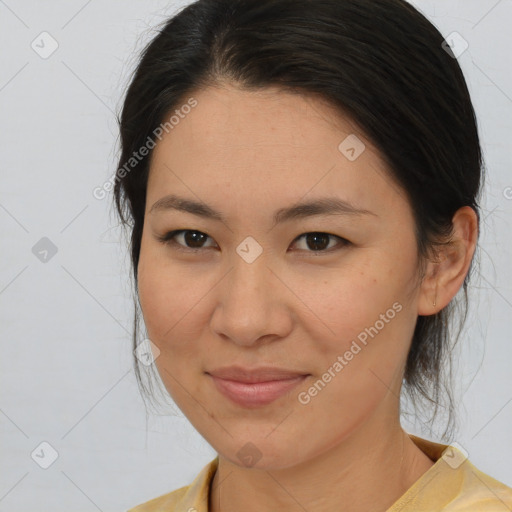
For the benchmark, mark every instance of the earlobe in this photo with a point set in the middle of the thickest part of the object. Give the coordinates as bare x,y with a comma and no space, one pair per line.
446,275
428,300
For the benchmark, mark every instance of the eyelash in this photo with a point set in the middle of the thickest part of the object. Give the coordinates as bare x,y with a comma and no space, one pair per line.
169,239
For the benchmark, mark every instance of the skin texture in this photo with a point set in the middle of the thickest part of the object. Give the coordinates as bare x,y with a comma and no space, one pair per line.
248,154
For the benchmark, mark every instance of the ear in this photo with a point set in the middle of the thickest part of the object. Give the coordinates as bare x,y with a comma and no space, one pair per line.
445,276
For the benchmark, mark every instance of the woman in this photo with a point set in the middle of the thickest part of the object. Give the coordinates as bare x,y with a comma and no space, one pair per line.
301,180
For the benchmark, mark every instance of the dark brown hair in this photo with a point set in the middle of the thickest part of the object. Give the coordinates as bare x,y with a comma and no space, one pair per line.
381,62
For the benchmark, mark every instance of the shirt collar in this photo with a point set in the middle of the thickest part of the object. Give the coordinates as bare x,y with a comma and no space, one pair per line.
196,498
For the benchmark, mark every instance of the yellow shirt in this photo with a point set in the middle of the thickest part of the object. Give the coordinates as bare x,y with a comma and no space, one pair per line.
451,484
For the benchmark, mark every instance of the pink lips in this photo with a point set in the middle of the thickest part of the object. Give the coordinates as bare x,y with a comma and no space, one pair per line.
255,387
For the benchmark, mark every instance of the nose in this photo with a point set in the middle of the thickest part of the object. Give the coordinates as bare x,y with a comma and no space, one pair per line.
252,305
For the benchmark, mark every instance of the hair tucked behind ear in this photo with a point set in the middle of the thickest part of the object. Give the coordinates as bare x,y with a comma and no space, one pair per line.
380,62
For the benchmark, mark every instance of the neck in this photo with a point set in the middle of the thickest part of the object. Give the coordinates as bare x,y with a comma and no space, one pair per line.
369,470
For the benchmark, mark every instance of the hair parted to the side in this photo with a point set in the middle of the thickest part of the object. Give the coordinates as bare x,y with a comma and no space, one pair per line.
380,62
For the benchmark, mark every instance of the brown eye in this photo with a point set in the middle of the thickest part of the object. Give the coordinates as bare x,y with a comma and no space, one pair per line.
320,242
194,239
186,239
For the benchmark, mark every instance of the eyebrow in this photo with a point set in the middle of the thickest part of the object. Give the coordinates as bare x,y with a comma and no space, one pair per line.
320,206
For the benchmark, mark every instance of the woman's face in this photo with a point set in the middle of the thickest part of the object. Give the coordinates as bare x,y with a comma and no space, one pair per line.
328,295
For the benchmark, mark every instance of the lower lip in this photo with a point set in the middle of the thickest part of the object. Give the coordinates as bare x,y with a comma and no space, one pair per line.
257,393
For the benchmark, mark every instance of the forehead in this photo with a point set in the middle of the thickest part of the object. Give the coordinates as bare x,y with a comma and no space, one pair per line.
266,145
229,116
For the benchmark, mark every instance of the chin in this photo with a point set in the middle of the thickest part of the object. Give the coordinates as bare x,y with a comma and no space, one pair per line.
262,451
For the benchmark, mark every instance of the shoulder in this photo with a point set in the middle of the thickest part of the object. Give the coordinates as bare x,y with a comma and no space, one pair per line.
453,484
190,497
166,502
479,491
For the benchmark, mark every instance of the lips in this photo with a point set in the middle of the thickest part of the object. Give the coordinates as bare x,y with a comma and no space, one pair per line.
255,387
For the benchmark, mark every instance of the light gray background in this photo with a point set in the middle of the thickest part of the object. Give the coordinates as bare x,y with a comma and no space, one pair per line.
66,359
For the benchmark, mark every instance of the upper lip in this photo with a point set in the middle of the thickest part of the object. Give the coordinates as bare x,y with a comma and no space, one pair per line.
253,375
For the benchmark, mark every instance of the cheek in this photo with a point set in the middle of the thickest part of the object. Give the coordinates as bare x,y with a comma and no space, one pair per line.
171,306
342,306
170,299
365,316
